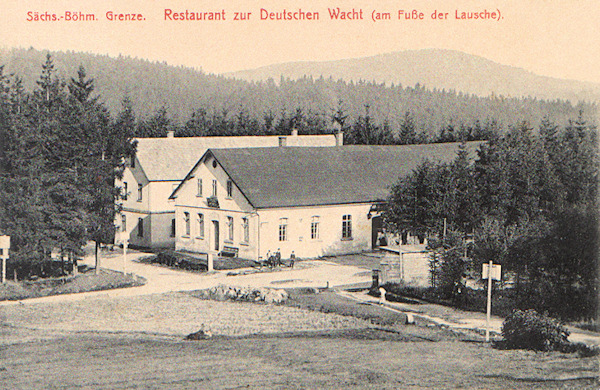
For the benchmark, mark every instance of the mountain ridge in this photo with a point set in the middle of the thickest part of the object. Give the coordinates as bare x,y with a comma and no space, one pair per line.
433,68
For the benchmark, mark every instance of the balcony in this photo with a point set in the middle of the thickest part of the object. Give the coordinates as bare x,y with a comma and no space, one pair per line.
213,202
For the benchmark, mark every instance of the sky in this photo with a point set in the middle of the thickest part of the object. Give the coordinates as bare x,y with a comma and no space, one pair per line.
551,38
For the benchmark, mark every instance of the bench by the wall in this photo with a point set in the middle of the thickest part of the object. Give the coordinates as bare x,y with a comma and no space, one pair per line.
229,251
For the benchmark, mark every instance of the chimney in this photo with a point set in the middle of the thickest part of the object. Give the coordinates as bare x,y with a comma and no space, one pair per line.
294,132
171,134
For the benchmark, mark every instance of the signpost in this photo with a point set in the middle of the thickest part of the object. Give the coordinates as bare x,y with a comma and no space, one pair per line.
125,245
490,272
4,248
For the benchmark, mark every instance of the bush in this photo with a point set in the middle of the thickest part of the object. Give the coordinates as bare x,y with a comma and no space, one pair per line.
180,260
530,330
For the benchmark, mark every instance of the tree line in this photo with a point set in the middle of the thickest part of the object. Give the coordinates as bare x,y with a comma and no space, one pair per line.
529,201
220,104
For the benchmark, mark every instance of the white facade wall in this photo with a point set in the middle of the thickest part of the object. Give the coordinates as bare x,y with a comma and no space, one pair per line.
329,240
235,206
137,237
154,207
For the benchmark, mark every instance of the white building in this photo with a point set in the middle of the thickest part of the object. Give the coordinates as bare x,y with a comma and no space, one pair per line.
313,201
147,217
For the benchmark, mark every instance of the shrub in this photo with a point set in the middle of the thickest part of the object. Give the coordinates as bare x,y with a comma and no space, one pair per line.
180,260
530,330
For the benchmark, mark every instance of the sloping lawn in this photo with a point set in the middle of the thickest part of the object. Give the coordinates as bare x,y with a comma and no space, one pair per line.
84,282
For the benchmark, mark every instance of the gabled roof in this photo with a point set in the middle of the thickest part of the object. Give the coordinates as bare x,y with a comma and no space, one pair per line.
166,159
289,177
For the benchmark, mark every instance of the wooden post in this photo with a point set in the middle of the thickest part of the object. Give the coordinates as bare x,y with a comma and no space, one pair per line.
97,257
4,248
209,262
3,269
489,303
402,266
125,245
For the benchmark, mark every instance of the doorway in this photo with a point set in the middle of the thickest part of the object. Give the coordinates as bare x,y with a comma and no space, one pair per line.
216,235
377,229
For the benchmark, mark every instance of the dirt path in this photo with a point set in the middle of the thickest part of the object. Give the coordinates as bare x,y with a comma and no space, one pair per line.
162,280
459,319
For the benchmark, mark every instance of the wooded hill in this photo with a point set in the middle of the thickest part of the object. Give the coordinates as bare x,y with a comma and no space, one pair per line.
182,91
434,68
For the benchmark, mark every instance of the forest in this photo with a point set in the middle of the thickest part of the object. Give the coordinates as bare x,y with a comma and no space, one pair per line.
529,201
197,103
60,152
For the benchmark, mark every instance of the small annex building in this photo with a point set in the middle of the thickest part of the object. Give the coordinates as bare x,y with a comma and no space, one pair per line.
312,201
147,218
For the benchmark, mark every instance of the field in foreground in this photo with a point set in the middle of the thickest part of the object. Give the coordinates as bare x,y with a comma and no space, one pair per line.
138,342
324,360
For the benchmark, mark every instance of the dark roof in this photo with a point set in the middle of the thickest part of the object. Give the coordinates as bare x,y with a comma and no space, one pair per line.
288,177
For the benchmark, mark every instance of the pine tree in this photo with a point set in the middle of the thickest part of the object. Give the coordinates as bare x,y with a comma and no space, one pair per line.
408,130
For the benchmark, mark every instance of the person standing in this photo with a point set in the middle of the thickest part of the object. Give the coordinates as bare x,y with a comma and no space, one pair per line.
277,258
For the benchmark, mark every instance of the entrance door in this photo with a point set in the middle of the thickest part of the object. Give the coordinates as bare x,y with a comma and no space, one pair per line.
377,228
216,234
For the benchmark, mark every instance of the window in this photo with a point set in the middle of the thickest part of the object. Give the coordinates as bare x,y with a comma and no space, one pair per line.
139,193
124,190
282,141
173,227
214,183
283,229
346,227
140,227
199,190
123,223
229,188
246,229
186,219
230,228
200,225
314,228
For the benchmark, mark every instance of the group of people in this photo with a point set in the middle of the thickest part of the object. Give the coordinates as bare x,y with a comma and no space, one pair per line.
274,259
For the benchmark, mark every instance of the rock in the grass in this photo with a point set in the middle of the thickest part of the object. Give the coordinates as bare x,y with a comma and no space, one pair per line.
202,334
275,296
